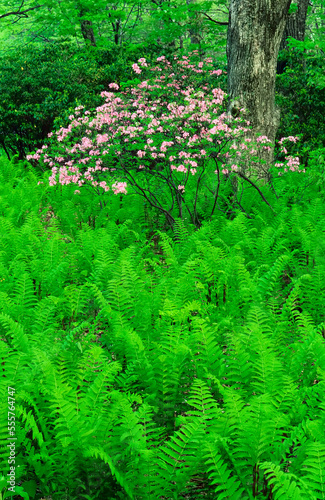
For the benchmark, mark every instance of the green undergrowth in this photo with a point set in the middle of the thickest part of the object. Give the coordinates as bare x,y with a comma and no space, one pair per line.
149,364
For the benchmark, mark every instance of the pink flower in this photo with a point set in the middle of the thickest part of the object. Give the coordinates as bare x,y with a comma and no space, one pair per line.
77,191
136,69
142,61
263,138
104,185
290,138
113,86
119,188
181,188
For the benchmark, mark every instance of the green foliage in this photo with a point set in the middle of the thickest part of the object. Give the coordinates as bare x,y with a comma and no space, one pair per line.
40,88
188,365
300,96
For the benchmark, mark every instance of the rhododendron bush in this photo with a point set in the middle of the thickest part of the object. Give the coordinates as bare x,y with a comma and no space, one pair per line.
167,138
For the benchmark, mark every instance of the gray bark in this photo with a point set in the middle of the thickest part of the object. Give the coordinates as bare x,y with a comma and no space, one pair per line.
86,26
194,25
88,32
295,24
296,28
254,35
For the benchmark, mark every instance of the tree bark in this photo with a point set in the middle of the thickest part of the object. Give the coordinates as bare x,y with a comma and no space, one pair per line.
295,27
86,26
295,24
88,32
254,35
195,22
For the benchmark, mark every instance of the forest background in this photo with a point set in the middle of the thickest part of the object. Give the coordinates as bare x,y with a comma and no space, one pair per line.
162,329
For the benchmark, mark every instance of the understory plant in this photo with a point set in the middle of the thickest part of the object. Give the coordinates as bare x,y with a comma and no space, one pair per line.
189,365
168,139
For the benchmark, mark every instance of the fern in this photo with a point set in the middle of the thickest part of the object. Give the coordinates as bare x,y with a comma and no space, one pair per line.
226,485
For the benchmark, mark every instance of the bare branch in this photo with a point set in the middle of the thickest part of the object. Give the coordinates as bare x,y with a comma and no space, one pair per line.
221,23
254,186
20,12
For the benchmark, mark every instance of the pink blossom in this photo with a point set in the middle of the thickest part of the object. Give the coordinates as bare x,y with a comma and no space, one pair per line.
119,187
142,61
290,138
189,128
181,188
104,185
262,138
136,68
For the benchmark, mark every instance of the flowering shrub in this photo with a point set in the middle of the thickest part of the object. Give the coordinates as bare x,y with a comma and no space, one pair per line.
168,138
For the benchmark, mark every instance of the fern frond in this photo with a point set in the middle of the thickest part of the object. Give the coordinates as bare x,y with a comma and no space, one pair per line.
313,469
19,340
285,485
225,483
180,457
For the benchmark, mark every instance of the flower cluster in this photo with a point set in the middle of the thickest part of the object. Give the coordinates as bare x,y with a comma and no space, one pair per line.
166,128
148,116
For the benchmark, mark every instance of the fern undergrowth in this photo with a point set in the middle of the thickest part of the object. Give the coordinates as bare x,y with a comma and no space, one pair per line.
149,364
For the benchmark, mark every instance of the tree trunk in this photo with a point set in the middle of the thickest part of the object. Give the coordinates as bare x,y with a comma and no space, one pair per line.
295,24
194,24
254,35
88,32
295,27
86,26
